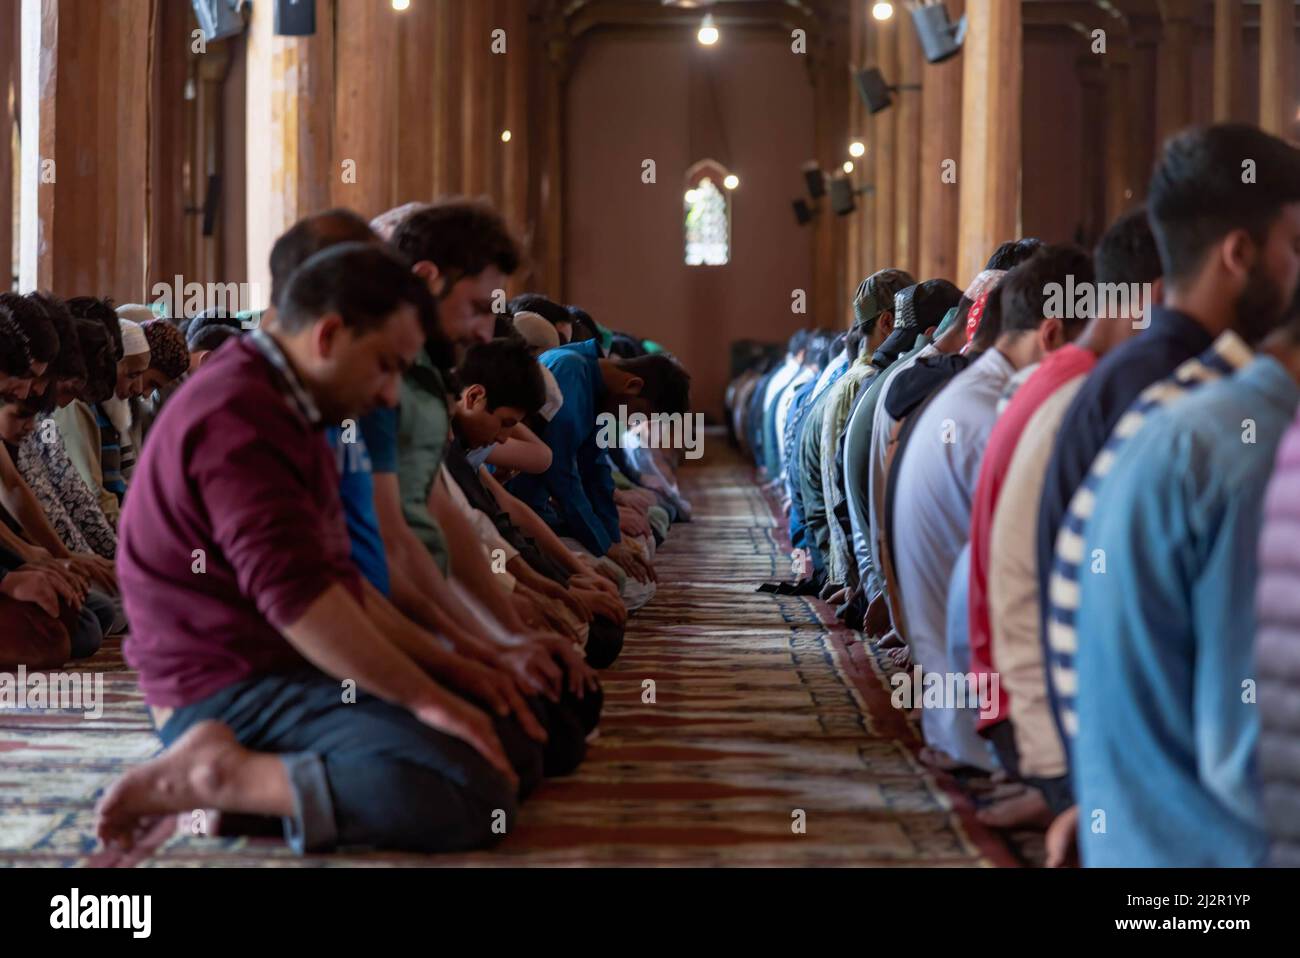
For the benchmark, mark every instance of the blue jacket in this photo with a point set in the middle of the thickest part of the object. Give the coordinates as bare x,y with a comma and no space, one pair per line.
576,495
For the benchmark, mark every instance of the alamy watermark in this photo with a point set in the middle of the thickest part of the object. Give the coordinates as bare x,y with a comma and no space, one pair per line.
73,691
660,430
1086,300
946,690
187,300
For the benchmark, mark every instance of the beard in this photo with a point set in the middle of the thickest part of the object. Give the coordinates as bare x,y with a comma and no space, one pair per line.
1260,307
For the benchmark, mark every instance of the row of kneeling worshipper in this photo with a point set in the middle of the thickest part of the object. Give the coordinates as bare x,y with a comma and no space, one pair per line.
1065,507
368,548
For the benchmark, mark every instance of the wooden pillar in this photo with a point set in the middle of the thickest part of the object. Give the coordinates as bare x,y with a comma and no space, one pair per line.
1094,162
447,71
517,109
990,134
291,169
830,108
366,104
907,152
85,190
1119,187
884,138
10,31
417,52
1143,142
853,253
474,68
1228,81
1174,101
553,80
1277,85
941,97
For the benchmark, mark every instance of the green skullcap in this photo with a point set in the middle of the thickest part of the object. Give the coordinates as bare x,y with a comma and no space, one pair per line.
876,294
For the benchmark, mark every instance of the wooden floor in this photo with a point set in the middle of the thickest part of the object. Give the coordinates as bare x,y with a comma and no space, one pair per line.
740,729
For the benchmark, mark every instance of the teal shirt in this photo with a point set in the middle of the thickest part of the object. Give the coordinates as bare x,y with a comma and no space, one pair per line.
422,426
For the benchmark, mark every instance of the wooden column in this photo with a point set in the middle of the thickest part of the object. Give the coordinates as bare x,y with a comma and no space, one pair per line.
86,79
941,98
1174,102
830,107
515,154
446,75
291,168
10,31
1094,161
1277,85
1143,142
884,138
474,68
853,253
366,104
552,78
418,53
907,153
990,144
1228,81
1119,187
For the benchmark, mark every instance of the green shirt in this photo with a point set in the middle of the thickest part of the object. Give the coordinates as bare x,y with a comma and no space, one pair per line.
422,427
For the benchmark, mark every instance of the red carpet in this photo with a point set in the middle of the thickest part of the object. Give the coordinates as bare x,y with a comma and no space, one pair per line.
770,739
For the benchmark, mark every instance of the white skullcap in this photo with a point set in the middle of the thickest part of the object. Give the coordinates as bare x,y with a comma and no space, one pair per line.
135,313
536,331
134,342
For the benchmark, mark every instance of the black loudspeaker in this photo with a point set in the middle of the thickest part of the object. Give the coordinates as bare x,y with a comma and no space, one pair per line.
842,193
295,18
803,213
218,19
816,180
940,39
873,89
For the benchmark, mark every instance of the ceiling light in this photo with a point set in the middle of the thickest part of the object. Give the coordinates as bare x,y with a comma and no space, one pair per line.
732,181
882,11
708,34
848,166
857,148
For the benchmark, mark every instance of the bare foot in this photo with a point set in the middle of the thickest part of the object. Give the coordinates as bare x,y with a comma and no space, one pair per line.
1062,842
840,597
892,641
201,770
901,658
1026,809
937,759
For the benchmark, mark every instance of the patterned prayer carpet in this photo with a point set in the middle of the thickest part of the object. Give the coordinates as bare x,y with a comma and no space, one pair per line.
769,739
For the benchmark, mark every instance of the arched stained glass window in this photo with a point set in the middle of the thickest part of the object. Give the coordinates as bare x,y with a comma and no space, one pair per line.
707,213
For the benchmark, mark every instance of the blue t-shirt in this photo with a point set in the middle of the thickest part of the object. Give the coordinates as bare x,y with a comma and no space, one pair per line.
379,429
357,490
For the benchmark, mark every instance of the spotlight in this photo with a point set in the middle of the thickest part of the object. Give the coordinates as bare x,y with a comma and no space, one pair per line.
941,39
816,180
505,136
708,34
731,181
882,11
848,166
400,5
803,213
857,148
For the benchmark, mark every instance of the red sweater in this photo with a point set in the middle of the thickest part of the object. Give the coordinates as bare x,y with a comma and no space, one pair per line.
234,468
1056,369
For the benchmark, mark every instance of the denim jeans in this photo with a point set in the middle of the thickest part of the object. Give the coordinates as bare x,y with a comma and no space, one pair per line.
370,774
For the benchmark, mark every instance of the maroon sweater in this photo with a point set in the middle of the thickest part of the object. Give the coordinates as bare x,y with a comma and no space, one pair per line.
234,467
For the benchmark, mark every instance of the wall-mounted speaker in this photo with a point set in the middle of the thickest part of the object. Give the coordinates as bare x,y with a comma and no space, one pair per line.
842,196
218,19
295,18
803,213
815,179
873,89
